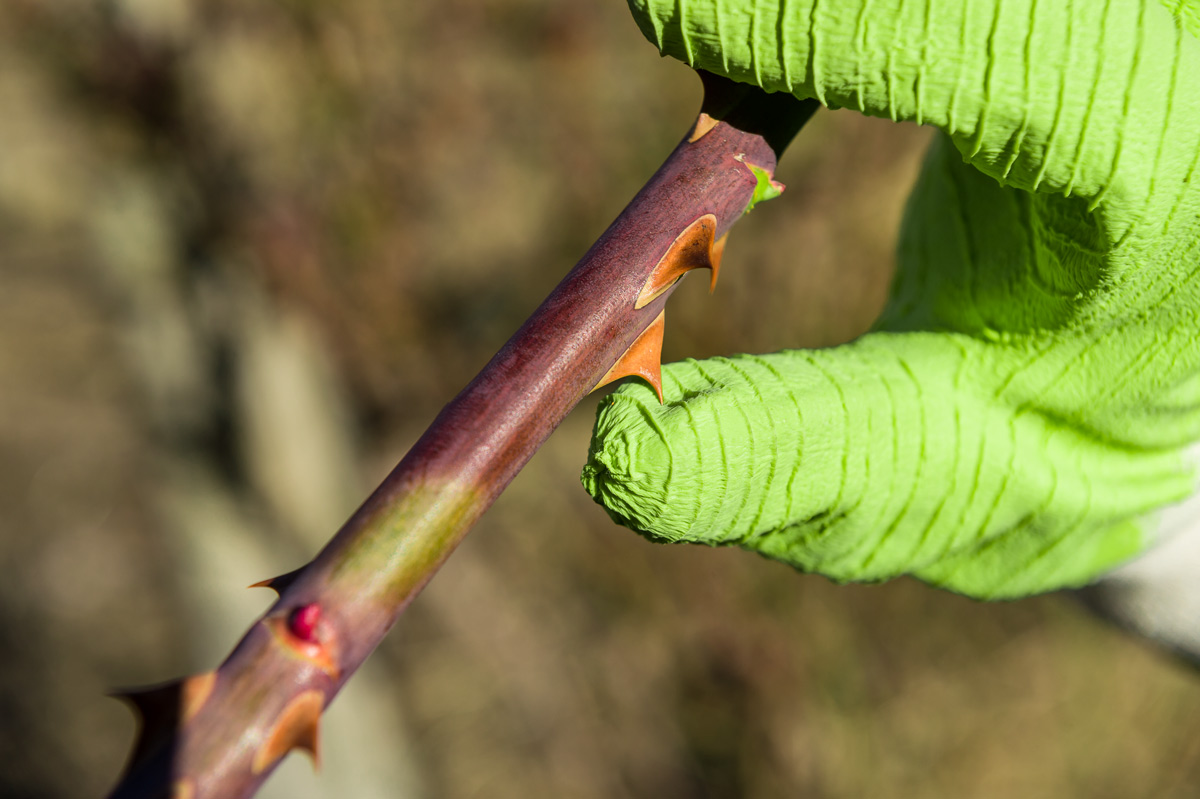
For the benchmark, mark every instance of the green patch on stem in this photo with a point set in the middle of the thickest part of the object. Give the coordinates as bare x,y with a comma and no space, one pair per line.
765,188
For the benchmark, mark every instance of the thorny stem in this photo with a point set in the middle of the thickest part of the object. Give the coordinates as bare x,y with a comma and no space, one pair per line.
220,734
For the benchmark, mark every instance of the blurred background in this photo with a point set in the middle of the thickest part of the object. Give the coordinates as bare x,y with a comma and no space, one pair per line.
248,250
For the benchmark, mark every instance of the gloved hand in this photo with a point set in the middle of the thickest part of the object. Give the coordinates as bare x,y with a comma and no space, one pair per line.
1026,404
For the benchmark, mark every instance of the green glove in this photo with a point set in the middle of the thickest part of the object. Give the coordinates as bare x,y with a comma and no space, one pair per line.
1028,399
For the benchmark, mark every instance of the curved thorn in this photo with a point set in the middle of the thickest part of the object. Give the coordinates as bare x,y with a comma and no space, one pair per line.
643,358
296,728
692,249
718,250
278,584
162,709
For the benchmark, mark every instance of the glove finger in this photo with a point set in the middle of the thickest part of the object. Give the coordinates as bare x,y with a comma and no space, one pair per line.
883,457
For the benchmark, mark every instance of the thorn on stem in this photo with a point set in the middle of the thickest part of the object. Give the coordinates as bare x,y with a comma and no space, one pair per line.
693,248
278,584
704,123
718,250
643,358
296,728
164,709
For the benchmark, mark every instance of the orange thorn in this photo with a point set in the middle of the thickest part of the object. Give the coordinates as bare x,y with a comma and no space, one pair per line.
692,249
718,250
296,728
704,123
278,584
643,358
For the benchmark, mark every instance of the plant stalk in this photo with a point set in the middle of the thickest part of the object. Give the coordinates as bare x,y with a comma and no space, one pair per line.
220,734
